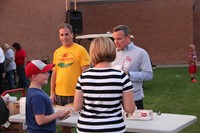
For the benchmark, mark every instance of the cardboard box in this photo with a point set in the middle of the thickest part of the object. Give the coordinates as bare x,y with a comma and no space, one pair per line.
14,127
139,115
13,107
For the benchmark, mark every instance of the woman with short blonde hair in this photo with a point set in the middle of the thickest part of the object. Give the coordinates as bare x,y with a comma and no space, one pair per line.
5,46
102,49
102,91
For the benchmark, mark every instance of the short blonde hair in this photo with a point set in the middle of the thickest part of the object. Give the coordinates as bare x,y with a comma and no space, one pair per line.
191,46
5,46
102,49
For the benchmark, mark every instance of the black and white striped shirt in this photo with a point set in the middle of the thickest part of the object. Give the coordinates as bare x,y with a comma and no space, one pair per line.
102,91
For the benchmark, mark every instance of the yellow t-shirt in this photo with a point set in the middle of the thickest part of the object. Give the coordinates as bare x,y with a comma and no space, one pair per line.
68,62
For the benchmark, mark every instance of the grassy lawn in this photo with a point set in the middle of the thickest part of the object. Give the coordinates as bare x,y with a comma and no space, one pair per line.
171,91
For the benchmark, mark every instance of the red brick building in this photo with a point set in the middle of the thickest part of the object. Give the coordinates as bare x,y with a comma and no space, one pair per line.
164,28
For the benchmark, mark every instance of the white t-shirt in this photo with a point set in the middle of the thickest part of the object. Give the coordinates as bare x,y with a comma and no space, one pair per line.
2,57
9,55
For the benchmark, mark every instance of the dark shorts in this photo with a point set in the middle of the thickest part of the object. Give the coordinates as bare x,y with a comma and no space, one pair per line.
192,69
63,100
139,104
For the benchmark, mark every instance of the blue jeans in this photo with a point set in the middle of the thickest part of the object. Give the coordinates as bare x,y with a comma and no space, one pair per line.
10,76
23,81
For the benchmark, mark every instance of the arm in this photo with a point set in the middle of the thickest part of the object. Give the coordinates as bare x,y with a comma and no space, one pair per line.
192,60
141,75
78,100
128,101
43,119
40,105
84,59
127,95
142,71
9,57
53,86
7,61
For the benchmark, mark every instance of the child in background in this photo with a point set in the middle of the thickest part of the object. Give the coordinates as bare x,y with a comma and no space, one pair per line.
192,62
40,116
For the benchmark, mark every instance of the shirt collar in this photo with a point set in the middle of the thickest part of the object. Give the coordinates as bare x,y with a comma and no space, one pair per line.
128,47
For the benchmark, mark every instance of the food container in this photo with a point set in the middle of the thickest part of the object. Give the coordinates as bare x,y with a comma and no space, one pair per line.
139,115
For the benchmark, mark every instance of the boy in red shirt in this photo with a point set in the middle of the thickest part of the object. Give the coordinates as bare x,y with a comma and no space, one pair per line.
192,62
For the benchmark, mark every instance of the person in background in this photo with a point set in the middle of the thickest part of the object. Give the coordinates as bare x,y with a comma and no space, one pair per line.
70,61
192,57
20,55
133,60
9,65
102,91
40,115
2,59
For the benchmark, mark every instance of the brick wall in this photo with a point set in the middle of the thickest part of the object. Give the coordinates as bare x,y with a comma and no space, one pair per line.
196,26
33,24
163,27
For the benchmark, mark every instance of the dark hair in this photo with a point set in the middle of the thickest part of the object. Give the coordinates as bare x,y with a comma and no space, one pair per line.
123,28
66,25
16,46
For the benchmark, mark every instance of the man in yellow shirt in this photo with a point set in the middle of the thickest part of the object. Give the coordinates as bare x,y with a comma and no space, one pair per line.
70,61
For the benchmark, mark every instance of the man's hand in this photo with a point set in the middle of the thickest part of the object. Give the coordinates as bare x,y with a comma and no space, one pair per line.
53,98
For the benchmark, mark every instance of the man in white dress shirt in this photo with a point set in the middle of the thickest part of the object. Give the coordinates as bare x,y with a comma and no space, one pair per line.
2,58
133,60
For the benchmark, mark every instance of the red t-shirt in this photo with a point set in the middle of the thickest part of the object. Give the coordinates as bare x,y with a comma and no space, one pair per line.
20,56
192,58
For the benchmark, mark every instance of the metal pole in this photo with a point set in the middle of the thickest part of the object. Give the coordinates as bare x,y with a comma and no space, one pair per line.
68,5
74,4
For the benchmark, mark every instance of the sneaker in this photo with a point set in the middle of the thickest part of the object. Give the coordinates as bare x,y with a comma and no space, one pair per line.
194,80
